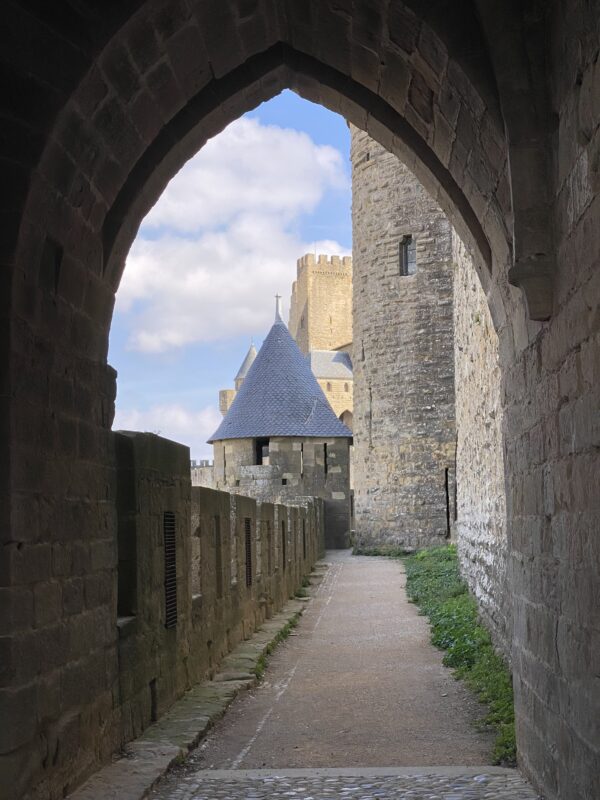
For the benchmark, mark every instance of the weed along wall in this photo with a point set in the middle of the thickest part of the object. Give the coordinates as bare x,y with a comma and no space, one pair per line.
198,571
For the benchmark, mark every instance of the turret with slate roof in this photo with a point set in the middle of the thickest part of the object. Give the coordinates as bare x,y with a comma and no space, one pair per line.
280,395
280,440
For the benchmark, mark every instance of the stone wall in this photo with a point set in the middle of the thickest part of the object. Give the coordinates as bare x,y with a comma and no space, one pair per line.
153,667
321,303
226,398
297,469
203,476
496,111
480,524
551,399
152,657
339,393
404,432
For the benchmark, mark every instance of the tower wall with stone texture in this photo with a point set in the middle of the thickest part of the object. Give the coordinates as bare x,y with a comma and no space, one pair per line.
404,420
321,303
294,470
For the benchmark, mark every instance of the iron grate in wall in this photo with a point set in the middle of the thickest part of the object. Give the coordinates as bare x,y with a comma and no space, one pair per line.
248,541
170,546
218,556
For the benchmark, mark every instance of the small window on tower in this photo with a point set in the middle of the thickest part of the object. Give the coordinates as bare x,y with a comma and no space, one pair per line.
408,255
261,451
328,387
346,387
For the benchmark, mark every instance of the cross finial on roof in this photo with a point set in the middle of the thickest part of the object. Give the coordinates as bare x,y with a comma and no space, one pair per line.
278,317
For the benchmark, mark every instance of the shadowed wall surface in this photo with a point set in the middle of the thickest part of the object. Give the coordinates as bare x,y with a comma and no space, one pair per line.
494,107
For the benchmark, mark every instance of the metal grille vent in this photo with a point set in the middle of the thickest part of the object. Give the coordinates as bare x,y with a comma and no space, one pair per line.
304,539
269,548
170,569
248,540
218,557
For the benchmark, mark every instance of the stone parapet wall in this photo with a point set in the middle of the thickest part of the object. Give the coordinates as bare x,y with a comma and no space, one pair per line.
404,430
129,660
480,525
203,476
296,469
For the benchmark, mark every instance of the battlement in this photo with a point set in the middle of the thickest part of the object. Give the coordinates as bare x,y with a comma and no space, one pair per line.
323,262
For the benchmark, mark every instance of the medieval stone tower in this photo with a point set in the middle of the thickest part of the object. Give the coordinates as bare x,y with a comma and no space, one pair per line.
321,323
321,303
403,356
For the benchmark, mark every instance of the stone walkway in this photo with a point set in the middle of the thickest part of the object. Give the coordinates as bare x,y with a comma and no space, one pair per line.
357,685
382,784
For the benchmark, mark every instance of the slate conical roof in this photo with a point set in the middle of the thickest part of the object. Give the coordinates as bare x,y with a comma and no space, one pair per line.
280,396
246,364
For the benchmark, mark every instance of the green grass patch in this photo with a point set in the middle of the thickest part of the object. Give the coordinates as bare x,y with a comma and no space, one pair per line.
261,664
301,592
435,586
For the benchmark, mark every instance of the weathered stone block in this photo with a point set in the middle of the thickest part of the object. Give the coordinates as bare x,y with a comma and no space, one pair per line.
18,706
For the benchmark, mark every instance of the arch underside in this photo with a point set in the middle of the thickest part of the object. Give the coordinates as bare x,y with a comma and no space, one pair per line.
413,86
265,76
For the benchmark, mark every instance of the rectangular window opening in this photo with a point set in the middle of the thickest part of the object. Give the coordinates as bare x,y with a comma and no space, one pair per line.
325,465
248,545
447,491
170,550
408,255
261,453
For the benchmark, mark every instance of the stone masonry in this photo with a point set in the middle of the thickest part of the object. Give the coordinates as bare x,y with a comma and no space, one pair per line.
321,319
297,470
480,524
321,303
404,445
181,604
495,109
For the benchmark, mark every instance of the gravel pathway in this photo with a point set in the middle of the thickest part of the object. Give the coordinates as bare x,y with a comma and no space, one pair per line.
358,694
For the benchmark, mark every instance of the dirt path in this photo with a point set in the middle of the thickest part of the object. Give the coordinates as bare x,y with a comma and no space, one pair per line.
358,684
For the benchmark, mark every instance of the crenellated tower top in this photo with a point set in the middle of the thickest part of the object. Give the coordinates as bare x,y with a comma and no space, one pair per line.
325,263
321,302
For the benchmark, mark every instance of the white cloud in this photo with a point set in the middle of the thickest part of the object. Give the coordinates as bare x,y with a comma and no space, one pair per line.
173,421
225,239
265,168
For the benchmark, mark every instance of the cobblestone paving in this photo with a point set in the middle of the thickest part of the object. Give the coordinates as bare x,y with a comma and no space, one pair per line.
326,785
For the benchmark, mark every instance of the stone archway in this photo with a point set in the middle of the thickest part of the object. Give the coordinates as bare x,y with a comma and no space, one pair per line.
103,107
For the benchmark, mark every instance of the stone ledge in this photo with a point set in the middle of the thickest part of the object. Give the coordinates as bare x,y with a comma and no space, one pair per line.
145,760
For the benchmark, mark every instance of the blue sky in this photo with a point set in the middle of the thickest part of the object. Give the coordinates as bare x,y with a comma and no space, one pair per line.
223,238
